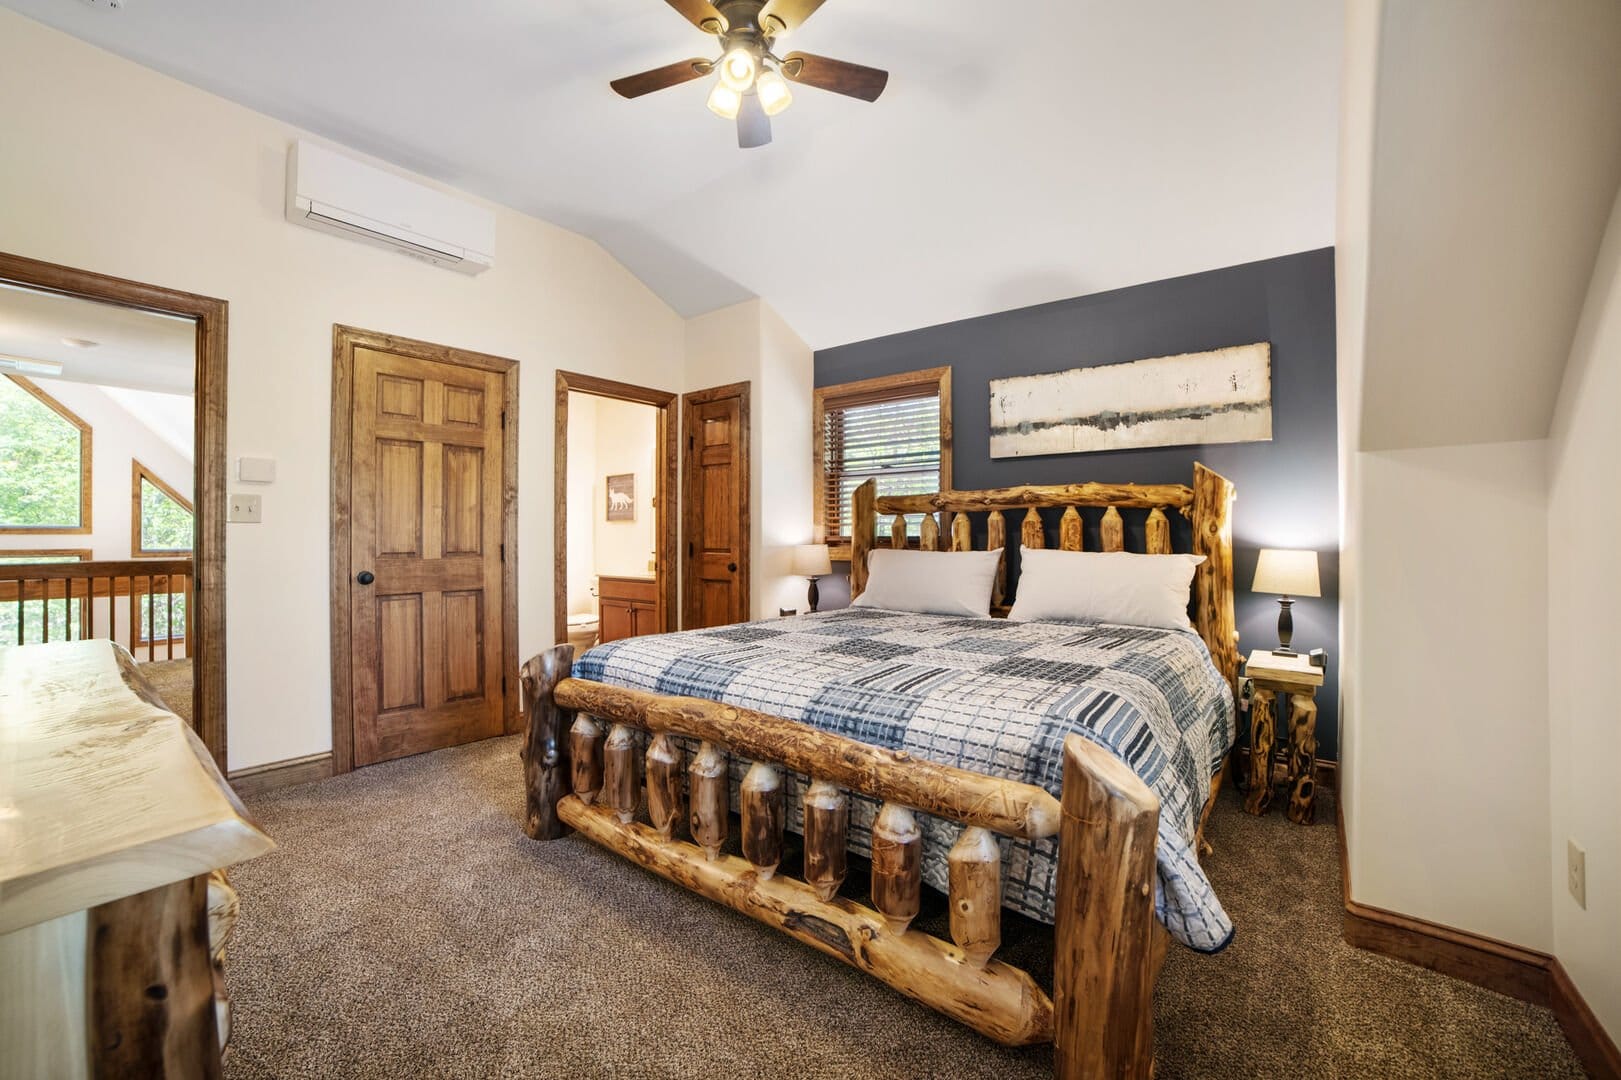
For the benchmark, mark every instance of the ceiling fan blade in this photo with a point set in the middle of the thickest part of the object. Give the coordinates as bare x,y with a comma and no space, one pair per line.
839,76
787,14
702,14
753,125
634,86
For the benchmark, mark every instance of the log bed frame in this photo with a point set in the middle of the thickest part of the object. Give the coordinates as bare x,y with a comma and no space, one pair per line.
1108,945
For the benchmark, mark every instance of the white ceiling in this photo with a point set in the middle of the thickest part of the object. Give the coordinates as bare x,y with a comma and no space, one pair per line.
1082,145
135,349
1492,170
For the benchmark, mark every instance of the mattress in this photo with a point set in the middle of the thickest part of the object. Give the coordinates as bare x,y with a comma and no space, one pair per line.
990,695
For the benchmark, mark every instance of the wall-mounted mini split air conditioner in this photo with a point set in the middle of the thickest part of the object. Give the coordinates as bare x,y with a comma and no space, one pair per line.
334,193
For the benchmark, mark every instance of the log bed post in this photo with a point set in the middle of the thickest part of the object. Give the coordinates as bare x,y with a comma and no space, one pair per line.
863,531
545,763
1213,538
1105,957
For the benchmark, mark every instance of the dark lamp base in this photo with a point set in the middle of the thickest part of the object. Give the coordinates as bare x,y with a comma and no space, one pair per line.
813,596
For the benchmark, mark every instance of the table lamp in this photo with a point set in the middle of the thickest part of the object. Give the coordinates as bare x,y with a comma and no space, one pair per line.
811,561
1289,574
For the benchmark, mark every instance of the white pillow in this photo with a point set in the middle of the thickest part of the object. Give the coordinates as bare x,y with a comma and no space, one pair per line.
1109,586
934,582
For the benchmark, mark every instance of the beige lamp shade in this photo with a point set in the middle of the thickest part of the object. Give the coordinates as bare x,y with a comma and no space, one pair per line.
812,560
1287,573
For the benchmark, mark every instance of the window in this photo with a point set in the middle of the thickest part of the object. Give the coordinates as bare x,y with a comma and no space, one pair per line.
896,429
44,462
161,522
22,616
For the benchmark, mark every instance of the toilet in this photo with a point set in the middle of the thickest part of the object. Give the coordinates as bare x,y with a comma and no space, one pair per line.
582,631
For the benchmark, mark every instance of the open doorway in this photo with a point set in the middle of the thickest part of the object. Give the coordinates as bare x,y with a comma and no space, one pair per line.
112,405
615,497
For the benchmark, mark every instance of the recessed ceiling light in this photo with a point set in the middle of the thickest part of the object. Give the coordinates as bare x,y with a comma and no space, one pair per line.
22,365
80,342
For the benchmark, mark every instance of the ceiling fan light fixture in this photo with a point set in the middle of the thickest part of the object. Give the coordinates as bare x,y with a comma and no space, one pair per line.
774,93
725,102
738,69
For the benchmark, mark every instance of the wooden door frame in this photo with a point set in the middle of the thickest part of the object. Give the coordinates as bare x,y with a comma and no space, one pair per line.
209,461
345,339
664,557
689,501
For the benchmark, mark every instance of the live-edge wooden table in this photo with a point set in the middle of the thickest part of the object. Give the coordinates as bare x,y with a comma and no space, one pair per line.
1294,677
112,819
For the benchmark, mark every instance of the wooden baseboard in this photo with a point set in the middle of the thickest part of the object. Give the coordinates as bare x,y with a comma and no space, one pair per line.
280,774
1588,1038
1508,969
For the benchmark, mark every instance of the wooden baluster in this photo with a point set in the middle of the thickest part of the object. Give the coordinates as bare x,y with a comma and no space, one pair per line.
996,539
706,786
190,582
827,828
961,533
1070,536
22,588
897,866
664,794
90,606
1157,533
975,873
168,616
897,532
619,772
763,813
134,616
929,536
1113,530
585,756
1030,532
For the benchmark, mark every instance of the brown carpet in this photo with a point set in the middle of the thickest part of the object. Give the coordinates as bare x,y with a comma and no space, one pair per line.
172,680
407,928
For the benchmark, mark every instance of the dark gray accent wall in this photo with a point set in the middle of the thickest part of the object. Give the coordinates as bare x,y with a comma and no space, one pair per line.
1287,488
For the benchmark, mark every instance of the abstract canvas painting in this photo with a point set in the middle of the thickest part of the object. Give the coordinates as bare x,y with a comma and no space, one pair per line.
622,497
1222,396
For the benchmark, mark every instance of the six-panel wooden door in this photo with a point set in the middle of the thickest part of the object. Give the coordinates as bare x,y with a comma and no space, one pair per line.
715,515
426,552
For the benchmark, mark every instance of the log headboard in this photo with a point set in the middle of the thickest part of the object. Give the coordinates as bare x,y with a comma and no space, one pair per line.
948,526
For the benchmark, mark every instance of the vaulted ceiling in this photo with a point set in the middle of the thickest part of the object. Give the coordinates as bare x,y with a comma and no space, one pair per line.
1021,153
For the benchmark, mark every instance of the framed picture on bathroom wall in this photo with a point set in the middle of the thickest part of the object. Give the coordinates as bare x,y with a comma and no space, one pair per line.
622,497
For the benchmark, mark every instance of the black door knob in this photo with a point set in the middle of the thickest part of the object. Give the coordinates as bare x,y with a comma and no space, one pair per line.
731,567
365,577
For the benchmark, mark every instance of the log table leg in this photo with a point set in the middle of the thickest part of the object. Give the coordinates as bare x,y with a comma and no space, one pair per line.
1262,736
1302,783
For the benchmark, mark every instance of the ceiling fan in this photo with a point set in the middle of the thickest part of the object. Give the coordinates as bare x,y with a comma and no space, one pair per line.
753,83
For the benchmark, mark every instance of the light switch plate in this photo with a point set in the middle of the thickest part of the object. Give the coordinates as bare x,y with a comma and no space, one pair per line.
256,470
1576,872
245,508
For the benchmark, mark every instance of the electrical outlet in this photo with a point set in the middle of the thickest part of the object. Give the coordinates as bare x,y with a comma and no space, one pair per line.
245,508
1576,872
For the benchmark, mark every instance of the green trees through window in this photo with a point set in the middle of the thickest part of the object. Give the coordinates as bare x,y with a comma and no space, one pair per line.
164,521
44,449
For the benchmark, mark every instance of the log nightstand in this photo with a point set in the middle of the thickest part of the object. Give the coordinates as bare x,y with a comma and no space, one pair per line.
1295,677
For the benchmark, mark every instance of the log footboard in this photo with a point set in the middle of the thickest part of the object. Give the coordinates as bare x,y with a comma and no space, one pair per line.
1108,946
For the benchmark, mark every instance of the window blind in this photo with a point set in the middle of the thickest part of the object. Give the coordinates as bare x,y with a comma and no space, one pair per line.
896,442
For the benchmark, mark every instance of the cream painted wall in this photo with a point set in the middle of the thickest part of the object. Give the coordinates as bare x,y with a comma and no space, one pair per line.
131,173
750,342
625,432
582,466
1584,640
1452,766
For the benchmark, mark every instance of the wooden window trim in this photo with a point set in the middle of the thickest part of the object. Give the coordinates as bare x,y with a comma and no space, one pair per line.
905,384
69,555
137,473
85,467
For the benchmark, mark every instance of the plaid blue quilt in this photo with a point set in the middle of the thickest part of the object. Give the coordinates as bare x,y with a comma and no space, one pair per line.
989,695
